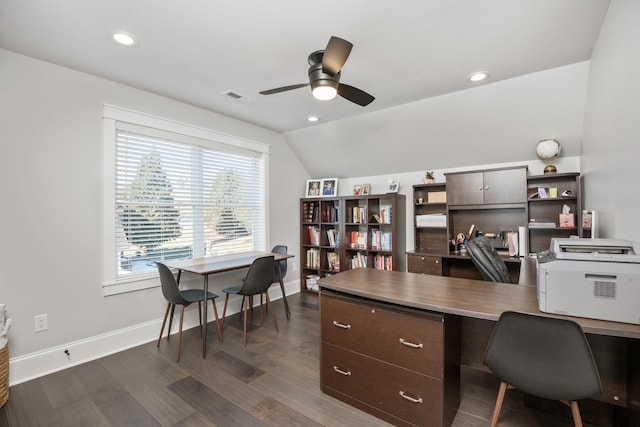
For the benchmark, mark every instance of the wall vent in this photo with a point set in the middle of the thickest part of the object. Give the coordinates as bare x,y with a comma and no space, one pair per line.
238,97
604,289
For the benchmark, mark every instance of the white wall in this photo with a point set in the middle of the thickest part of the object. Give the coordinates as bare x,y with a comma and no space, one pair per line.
51,174
611,141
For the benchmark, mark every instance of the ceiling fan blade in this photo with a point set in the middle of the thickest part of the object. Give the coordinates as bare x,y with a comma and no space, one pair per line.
335,55
283,89
355,95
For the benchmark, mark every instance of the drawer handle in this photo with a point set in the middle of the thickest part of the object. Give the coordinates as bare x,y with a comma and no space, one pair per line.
409,398
345,373
340,325
410,344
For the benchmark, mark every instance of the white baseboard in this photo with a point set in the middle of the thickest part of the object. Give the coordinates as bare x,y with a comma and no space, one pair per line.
40,363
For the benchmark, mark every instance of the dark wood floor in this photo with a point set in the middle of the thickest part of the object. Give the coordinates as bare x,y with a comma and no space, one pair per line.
274,381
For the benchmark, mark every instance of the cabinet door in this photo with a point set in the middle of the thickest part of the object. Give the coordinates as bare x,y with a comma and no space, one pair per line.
465,189
505,186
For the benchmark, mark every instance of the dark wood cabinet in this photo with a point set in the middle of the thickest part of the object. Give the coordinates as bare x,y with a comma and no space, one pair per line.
407,375
341,233
488,187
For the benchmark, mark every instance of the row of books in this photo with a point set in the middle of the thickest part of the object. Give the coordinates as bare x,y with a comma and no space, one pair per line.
358,215
359,261
431,220
313,258
384,215
330,214
314,235
383,262
333,237
381,241
310,212
358,240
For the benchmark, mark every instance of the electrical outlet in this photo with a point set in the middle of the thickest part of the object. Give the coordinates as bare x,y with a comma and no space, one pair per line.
295,267
41,323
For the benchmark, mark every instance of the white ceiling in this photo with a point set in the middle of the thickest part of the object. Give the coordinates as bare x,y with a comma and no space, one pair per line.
404,51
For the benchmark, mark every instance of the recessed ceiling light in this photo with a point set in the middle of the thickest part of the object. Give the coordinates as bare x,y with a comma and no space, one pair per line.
478,76
313,118
124,38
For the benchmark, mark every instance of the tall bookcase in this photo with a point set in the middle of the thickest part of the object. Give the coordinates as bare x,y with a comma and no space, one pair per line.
341,233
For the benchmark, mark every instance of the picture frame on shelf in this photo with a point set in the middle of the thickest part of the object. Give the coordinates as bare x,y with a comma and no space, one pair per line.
357,190
393,187
329,187
366,189
313,187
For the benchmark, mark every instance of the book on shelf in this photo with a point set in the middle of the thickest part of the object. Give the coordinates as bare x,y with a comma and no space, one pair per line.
314,235
313,258
333,238
359,260
333,259
330,214
381,241
383,262
358,240
385,215
359,215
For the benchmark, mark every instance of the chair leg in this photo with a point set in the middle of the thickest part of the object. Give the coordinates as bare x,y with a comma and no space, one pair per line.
200,316
496,410
180,334
270,306
244,330
215,312
575,412
164,321
173,309
224,311
284,298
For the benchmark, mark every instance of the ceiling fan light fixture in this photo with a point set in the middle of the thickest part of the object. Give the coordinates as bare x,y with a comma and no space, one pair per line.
324,90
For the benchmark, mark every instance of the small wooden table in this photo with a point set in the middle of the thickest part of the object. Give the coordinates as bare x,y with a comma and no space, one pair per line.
218,264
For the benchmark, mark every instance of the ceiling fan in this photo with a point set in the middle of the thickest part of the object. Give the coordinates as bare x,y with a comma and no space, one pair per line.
324,75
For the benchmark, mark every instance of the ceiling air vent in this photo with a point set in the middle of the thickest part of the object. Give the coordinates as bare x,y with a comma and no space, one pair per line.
238,97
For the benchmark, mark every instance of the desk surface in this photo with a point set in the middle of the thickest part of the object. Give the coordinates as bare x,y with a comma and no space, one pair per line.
462,297
219,264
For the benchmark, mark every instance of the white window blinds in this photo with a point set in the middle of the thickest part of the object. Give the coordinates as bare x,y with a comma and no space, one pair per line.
178,198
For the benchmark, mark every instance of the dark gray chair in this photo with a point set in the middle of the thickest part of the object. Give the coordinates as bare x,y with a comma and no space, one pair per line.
487,260
542,356
279,273
175,296
257,282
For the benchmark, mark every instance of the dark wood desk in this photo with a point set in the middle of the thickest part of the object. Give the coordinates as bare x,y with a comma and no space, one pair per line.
218,264
479,304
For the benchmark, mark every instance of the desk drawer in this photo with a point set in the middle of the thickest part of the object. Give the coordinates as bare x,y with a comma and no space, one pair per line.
424,264
413,341
382,385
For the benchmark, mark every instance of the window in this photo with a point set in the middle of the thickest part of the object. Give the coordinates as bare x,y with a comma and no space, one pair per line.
177,192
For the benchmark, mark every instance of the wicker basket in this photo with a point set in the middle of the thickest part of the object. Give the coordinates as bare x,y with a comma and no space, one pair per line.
4,375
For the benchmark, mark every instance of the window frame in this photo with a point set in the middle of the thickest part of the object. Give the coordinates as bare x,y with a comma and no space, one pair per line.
110,117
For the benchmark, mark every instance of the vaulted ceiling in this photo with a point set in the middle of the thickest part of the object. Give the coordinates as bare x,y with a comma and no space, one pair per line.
403,52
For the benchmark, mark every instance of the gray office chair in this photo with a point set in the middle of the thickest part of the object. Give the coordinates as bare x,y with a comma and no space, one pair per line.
542,356
487,260
257,282
175,296
279,273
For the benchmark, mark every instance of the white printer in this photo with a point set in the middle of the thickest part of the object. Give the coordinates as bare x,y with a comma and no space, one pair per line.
595,278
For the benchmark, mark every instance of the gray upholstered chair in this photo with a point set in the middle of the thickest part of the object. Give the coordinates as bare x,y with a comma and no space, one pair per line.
257,282
279,273
542,356
175,296
487,260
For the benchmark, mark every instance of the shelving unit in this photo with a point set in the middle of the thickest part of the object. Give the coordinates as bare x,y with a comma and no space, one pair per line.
352,231
547,210
430,232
